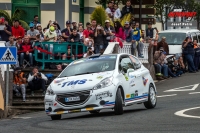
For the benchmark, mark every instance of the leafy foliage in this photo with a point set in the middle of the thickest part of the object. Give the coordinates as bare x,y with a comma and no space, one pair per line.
17,15
99,15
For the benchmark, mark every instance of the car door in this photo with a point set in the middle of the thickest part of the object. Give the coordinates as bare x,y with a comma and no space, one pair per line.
130,77
142,75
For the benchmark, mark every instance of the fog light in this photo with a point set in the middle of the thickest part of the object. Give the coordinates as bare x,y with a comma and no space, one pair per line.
102,102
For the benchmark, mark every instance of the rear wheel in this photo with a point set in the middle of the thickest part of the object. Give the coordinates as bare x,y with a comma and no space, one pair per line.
118,103
152,100
95,112
56,117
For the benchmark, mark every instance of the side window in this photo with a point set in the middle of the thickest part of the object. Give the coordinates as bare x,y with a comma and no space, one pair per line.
136,62
125,64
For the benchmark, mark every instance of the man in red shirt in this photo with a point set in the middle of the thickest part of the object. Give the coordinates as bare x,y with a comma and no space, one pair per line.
26,50
17,30
87,31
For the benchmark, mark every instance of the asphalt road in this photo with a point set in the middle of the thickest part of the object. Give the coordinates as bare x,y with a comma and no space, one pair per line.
168,116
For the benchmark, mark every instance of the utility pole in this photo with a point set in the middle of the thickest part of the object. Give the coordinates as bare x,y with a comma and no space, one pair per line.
140,14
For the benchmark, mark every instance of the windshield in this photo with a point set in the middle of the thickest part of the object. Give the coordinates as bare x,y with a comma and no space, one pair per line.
93,65
173,38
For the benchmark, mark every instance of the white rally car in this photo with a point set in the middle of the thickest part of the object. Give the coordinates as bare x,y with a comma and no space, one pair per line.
98,82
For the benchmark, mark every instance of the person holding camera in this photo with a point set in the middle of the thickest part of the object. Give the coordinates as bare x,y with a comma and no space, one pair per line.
36,80
188,52
19,82
175,68
99,38
89,53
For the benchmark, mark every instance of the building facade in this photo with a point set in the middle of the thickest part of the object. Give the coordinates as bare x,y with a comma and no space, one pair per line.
59,10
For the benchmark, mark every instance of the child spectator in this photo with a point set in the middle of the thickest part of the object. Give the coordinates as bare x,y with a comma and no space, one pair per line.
89,42
19,82
117,13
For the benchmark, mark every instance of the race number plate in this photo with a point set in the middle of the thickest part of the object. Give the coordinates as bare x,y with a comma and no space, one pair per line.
71,99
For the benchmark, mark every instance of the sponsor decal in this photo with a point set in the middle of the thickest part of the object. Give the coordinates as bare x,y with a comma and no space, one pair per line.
102,95
58,80
132,95
136,93
73,83
128,96
49,103
126,77
132,83
131,76
143,97
99,77
146,93
144,81
89,109
60,112
74,111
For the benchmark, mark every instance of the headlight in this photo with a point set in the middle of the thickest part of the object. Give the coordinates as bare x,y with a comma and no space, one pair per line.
49,91
104,83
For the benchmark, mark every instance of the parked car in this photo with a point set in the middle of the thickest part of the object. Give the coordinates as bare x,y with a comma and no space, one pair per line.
110,81
175,38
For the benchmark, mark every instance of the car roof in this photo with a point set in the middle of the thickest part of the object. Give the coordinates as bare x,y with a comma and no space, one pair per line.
180,31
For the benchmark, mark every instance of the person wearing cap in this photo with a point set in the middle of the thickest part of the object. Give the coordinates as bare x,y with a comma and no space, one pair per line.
6,32
188,53
128,32
159,62
67,31
163,44
127,8
135,40
32,32
17,30
50,36
19,81
110,32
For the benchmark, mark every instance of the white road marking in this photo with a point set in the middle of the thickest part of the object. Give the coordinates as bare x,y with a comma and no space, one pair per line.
167,95
21,117
181,88
194,93
181,113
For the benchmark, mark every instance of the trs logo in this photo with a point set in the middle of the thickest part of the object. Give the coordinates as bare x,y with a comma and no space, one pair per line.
69,83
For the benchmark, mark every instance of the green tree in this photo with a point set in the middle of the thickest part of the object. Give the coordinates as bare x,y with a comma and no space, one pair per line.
17,15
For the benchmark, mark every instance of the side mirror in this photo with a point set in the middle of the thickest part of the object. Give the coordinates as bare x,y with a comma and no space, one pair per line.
129,71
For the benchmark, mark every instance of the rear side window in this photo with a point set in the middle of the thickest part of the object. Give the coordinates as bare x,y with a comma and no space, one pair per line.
173,38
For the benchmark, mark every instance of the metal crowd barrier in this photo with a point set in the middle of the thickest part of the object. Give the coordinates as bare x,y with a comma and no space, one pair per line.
52,52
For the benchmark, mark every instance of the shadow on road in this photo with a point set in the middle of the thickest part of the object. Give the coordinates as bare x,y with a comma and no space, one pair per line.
103,114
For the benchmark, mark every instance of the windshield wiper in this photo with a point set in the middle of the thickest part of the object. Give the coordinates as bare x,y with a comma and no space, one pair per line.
85,73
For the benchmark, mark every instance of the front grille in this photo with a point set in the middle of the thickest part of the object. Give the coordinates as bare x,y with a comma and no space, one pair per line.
84,96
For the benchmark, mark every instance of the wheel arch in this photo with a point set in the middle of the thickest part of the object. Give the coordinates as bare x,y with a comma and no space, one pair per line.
122,91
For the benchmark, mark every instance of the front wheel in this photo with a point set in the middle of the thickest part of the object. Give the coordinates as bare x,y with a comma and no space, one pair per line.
152,100
56,117
118,103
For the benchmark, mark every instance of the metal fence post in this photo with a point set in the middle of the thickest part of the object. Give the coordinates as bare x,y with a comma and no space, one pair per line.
7,85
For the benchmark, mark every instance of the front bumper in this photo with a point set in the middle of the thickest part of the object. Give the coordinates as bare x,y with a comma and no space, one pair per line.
97,100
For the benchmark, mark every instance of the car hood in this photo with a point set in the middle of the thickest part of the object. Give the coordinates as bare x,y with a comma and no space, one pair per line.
79,82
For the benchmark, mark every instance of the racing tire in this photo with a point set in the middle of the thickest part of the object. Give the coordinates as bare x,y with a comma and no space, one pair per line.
55,117
95,112
118,103
152,100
